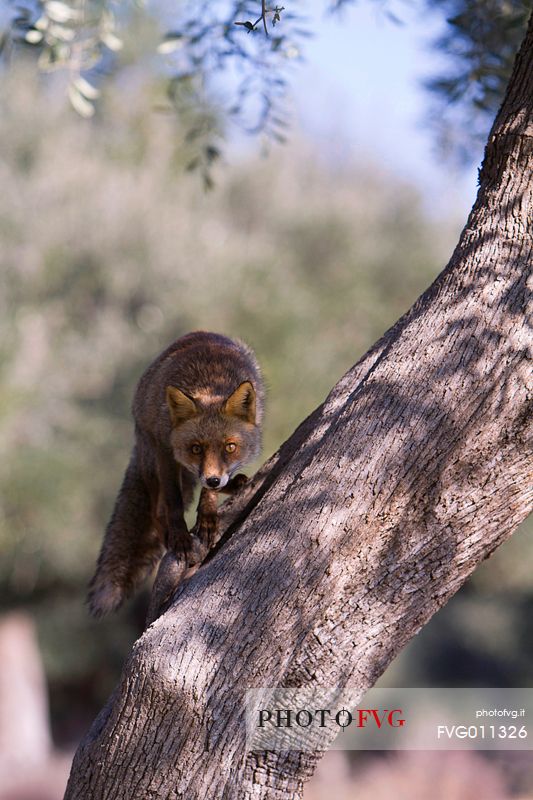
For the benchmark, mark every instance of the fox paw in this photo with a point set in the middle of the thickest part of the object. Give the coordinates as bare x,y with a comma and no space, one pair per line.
235,484
198,551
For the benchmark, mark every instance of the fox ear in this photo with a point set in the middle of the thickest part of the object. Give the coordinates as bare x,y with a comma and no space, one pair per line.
242,403
180,406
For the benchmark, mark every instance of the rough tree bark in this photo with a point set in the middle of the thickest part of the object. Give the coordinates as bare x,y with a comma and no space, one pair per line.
415,468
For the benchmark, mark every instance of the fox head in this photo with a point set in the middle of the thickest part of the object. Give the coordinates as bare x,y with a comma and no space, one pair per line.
213,438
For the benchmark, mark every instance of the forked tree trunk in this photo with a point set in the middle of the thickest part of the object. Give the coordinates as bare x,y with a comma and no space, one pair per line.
370,517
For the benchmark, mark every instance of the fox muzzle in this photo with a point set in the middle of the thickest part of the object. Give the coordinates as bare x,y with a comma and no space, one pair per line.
214,481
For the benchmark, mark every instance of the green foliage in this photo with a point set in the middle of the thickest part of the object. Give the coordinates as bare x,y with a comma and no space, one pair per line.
78,37
230,62
479,44
201,51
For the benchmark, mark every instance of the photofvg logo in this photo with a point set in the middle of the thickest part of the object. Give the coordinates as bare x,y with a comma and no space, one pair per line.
301,719
390,719
304,718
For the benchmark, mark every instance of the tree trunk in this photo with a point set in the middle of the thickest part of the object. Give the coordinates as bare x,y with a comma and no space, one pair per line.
366,522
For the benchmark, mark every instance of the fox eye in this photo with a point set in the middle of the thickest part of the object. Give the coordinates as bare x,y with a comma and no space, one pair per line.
196,449
230,447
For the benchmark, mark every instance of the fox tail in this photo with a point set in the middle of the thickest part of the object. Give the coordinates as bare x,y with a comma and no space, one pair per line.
131,546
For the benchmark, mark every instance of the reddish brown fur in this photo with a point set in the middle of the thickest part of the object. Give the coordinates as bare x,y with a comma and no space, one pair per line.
204,392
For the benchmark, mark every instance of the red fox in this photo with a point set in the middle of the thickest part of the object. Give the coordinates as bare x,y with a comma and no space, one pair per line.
198,410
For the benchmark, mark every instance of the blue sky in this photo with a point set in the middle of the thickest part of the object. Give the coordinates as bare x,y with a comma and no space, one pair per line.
360,88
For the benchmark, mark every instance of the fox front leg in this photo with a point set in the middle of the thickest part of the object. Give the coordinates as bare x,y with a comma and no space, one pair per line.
171,511
182,548
174,567
207,525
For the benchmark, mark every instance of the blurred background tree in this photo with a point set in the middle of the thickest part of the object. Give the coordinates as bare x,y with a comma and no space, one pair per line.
110,250
478,45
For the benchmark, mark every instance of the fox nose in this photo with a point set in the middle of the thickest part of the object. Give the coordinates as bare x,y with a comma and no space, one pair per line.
213,482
